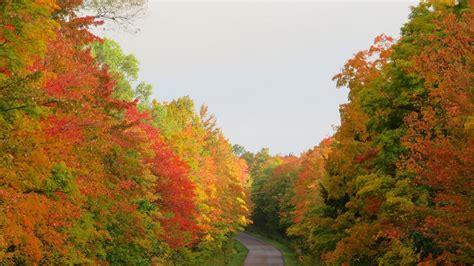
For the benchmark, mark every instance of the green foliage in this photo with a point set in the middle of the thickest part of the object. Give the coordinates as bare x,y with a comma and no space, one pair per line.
124,69
61,179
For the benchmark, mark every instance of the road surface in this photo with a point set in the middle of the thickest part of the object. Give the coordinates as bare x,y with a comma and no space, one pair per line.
260,253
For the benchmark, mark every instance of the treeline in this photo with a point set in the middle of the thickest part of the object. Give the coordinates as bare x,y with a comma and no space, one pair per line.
394,185
92,170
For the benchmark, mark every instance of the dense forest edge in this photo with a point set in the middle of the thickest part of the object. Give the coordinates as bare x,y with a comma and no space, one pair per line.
394,184
93,170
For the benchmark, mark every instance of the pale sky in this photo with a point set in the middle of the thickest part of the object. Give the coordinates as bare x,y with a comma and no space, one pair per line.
264,68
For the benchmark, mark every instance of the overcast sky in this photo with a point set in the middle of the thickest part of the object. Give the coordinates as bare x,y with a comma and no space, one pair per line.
264,68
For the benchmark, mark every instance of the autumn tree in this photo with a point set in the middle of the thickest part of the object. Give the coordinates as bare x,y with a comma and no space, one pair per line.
393,186
86,174
386,198
220,176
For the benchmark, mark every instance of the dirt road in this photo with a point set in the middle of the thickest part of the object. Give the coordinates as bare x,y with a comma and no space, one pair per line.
260,253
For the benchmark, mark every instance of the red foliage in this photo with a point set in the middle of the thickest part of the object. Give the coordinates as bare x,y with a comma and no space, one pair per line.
176,190
369,155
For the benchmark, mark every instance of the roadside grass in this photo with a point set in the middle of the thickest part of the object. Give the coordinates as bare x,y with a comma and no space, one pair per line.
239,255
232,254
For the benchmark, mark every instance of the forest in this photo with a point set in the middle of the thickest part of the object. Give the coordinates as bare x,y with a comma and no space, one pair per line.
93,170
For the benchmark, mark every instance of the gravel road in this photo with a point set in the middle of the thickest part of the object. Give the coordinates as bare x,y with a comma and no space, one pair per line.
260,253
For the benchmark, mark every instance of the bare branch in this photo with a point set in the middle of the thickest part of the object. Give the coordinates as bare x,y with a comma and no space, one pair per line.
120,12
